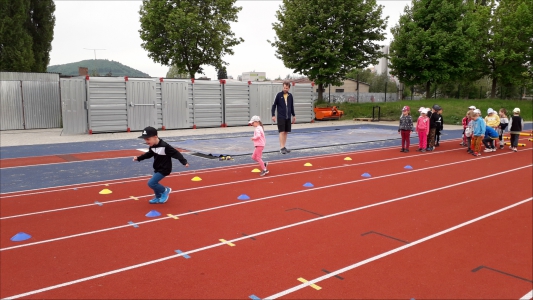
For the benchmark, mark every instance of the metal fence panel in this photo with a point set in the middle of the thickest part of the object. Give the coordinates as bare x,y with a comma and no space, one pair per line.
11,113
28,76
107,104
73,99
42,106
236,104
141,98
175,96
207,103
303,102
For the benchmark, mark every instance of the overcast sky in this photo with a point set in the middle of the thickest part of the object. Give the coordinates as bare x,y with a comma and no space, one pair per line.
114,26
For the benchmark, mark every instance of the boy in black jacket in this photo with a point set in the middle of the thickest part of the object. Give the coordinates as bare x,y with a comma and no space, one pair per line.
163,154
433,127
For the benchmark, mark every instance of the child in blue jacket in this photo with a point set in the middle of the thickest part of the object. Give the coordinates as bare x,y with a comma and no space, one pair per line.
479,128
490,136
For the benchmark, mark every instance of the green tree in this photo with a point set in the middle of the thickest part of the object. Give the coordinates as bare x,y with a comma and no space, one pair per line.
222,73
16,53
324,39
188,34
173,72
40,22
431,43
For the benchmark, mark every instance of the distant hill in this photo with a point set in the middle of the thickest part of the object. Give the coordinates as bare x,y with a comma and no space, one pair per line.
102,67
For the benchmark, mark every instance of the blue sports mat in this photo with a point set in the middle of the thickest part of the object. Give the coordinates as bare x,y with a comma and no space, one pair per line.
305,140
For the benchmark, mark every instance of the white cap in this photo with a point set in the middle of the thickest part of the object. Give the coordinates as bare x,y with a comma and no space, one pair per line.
472,107
490,110
516,110
477,111
424,110
421,109
254,119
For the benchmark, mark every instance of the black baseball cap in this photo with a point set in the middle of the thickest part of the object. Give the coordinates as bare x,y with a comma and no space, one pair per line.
148,132
436,107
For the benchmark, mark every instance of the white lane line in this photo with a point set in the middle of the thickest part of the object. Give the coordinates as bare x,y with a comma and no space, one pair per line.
270,231
527,296
385,254
200,171
245,202
221,184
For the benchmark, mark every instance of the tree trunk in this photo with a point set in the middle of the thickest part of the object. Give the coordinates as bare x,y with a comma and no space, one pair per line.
493,90
428,91
320,91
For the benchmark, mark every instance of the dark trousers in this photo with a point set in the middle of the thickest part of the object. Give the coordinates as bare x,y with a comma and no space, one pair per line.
489,142
406,138
514,139
431,137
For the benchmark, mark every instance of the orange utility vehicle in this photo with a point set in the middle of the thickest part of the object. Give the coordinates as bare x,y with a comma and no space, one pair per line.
328,113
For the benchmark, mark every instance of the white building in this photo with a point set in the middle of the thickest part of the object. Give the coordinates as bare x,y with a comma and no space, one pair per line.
253,76
381,67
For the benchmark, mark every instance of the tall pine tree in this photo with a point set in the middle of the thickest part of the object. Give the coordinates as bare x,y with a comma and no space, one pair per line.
40,21
16,53
26,33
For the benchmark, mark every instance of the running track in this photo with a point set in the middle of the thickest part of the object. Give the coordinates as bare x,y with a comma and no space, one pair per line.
454,226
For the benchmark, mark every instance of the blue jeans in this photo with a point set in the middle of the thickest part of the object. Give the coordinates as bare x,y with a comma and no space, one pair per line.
153,183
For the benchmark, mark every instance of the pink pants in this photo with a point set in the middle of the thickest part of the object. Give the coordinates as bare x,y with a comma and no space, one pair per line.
258,153
423,139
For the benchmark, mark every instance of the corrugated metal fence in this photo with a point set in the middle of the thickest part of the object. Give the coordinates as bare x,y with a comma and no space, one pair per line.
129,104
118,104
29,101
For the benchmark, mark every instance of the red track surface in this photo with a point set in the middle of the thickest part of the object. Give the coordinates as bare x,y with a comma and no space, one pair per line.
438,268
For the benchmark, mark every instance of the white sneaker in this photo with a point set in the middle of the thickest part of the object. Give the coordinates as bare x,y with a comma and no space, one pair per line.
493,149
487,150
515,149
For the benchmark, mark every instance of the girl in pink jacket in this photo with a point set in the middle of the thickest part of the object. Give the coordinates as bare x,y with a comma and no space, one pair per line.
422,128
259,143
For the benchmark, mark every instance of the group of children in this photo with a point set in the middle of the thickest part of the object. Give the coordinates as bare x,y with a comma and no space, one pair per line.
489,131
428,127
476,130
